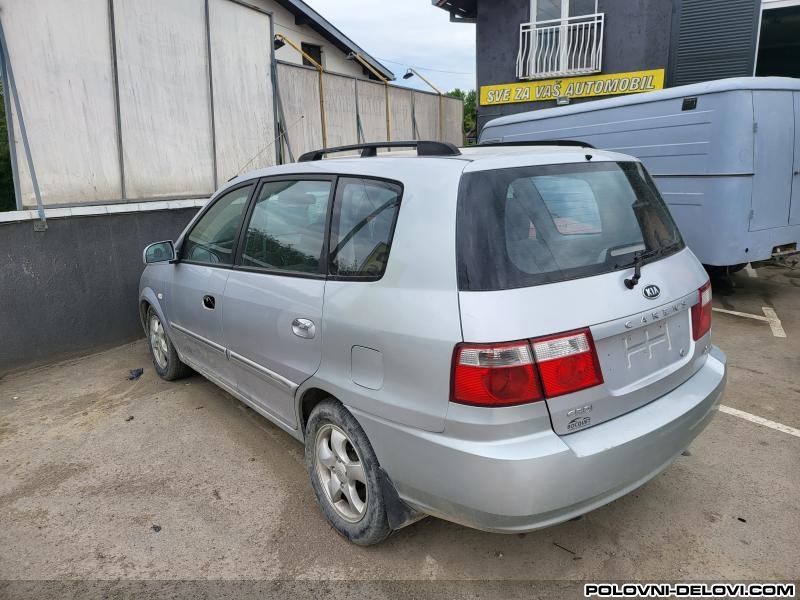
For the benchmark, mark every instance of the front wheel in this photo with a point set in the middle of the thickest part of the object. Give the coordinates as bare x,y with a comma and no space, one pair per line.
344,474
165,357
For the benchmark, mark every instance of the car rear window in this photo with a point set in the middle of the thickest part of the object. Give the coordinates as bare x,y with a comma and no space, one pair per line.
527,226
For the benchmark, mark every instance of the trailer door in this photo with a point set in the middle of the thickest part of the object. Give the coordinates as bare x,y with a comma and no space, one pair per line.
773,159
794,214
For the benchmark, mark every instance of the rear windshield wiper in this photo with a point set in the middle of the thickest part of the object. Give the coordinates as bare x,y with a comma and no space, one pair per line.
638,261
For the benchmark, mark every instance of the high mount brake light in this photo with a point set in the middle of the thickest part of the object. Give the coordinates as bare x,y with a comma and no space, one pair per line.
506,374
701,313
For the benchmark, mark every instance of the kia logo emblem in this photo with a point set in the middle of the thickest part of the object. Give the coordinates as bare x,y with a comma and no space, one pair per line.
651,291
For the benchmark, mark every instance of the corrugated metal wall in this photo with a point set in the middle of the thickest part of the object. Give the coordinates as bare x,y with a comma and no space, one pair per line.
714,39
136,100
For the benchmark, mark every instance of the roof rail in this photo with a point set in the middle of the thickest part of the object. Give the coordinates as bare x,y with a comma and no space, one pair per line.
575,143
423,147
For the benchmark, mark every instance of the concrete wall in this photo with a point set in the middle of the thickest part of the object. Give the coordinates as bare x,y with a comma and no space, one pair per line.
637,37
73,289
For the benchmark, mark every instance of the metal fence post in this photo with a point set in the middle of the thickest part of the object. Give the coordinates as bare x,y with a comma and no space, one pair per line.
112,34
213,123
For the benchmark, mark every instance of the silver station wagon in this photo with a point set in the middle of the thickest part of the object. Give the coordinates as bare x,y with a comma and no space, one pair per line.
504,336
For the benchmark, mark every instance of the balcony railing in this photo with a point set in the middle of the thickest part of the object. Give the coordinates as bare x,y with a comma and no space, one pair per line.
560,47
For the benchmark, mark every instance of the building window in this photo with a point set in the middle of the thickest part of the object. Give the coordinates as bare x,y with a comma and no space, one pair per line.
314,51
564,37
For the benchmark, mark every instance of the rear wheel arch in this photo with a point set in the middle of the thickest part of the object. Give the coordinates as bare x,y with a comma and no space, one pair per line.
144,306
308,401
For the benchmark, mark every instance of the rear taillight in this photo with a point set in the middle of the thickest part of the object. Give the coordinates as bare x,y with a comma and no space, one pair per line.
701,313
507,374
494,375
567,362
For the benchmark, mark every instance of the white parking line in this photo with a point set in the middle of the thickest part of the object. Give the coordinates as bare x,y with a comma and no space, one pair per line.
770,317
759,420
751,272
774,322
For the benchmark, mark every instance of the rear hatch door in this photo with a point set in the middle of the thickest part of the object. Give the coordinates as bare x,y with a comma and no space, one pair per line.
551,253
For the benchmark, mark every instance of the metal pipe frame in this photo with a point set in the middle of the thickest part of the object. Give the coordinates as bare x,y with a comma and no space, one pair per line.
212,117
371,69
320,69
277,106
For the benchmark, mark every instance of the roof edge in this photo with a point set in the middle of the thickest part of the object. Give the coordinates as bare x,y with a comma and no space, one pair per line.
331,32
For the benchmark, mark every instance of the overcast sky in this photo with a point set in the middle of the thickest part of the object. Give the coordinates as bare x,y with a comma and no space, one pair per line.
409,33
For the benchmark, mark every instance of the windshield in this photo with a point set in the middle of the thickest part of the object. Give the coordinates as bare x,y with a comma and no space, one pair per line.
527,226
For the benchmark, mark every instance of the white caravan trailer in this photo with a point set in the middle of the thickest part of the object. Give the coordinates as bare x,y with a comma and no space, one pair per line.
725,155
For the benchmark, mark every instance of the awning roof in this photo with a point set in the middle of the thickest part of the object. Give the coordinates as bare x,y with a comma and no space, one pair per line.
460,10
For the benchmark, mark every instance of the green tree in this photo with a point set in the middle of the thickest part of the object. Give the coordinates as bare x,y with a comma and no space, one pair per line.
470,109
7,201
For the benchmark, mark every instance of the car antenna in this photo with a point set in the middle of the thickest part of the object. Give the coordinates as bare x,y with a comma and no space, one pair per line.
264,149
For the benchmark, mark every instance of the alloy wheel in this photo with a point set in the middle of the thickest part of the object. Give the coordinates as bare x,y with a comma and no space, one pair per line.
158,342
341,473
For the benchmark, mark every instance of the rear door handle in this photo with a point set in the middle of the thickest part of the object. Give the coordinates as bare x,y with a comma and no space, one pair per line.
209,302
304,328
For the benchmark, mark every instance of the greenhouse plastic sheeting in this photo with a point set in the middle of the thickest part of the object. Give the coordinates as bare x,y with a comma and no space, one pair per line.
244,117
453,116
299,89
400,109
135,100
61,58
426,115
340,110
164,97
372,110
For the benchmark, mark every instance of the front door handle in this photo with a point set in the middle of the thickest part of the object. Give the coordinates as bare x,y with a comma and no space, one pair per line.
304,328
209,302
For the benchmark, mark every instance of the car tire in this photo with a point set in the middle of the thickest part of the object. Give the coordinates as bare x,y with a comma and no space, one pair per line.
344,473
165,358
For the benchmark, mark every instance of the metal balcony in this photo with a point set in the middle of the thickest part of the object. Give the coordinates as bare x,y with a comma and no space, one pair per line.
561,47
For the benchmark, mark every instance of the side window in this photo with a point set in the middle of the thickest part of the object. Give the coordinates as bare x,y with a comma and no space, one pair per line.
213,237
364,215
287,228
571,204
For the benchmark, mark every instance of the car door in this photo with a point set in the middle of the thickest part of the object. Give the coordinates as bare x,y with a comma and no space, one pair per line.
273,298
196,300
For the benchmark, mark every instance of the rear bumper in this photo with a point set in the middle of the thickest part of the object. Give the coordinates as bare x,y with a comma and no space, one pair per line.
536,480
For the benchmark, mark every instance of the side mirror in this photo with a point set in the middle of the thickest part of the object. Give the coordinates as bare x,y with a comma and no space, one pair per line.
159,252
